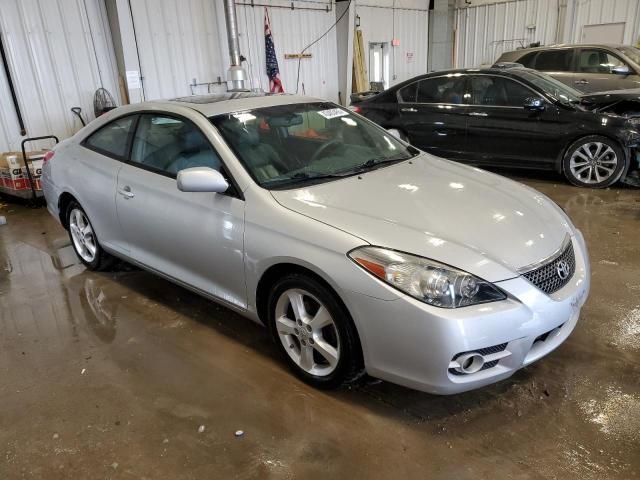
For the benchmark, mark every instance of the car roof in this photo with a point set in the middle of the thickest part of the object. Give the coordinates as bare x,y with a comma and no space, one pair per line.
567,45
218,104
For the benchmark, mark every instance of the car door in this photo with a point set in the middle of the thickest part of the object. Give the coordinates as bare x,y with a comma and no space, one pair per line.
596,71
194,237
499,130
432,112
99,158
557,62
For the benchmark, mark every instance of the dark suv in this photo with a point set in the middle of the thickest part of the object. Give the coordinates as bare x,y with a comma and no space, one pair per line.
589,68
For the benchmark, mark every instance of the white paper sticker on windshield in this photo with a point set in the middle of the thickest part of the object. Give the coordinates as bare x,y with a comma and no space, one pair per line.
333,113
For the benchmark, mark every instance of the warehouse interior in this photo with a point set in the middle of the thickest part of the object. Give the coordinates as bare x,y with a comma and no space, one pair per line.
130,372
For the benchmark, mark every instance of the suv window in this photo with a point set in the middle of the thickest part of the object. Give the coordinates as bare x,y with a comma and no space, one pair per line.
112,139
597,61
528,60
168,144
498,92
554,61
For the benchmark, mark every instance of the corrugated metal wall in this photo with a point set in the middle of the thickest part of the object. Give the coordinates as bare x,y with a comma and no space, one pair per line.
406,20
54,65
594,12
292,31
178,40
486,31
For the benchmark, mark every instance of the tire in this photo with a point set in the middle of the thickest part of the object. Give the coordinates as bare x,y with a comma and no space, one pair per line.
84,240
322,326
594,161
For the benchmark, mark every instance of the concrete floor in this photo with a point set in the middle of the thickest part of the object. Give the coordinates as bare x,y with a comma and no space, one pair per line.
124,375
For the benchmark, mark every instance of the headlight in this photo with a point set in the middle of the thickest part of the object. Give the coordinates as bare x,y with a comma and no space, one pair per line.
427,280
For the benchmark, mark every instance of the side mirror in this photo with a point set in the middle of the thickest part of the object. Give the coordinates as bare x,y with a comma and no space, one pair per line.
534,104
621,70
201,179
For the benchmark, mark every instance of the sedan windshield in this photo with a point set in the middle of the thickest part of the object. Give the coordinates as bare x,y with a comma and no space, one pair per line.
288,145
556,89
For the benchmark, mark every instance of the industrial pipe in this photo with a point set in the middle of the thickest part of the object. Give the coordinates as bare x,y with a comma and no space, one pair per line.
236,75
16,105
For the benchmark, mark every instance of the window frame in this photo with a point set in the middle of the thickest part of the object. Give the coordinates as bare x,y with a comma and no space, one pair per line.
572,60
521,107
134,126
598,49
233,190
463,76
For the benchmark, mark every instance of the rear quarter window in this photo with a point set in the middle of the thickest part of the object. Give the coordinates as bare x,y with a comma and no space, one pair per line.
112,139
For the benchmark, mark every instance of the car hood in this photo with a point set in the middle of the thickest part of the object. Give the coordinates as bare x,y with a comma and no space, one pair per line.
601,99
465,217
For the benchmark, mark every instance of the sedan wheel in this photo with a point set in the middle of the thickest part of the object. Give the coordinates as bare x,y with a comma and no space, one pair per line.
84,239
314,331
307,332
594,162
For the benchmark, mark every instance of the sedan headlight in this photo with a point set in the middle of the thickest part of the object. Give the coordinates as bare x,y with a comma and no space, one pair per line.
427,280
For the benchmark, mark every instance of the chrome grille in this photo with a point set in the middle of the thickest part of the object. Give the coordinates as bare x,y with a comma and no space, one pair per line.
547,278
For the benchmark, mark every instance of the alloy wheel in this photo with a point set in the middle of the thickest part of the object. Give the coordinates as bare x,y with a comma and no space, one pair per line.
308,332
84,239
593,162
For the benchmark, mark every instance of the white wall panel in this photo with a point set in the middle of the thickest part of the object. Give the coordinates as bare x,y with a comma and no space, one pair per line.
177,42
594,12
55,65
292,31
486,31
408,22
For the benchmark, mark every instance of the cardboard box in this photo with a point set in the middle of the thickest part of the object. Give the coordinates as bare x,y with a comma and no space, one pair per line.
13,172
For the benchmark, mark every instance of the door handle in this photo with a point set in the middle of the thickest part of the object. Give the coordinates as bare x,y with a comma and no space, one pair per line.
478,114
126,192
409,109
581,82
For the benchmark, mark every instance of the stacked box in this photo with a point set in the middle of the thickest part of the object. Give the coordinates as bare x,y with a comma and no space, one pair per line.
13,172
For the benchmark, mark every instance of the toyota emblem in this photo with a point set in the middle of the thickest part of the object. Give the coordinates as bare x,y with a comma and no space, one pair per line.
562,269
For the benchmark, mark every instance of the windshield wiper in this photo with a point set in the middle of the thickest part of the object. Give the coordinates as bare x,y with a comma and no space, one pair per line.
375,162
301,177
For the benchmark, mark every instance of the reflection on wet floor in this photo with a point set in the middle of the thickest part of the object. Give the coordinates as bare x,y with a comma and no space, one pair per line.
122,374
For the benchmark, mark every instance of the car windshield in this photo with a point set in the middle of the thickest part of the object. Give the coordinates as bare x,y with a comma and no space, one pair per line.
285,146
632,52
558,90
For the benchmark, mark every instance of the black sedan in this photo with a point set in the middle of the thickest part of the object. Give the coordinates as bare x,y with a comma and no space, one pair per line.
509,116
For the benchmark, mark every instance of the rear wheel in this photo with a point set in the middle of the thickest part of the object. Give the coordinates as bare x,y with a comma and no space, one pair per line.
84,239
314,332
594,161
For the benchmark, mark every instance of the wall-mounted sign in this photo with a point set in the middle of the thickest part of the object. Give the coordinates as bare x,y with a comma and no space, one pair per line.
410,57
133,79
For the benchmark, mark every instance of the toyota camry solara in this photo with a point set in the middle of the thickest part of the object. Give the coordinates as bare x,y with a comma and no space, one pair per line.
359,252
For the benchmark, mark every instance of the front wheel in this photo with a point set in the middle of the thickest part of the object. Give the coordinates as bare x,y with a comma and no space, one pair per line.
314,332
594,161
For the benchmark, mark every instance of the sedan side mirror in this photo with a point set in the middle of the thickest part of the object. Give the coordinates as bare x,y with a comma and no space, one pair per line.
201,179
621,70
534,104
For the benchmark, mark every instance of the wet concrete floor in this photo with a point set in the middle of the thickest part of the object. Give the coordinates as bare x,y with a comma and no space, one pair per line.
124,375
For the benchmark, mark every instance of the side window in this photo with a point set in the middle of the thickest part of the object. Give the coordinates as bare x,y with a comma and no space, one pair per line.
597,61
168,145
554,61
408,94
113,138
498,92
441,90
528,60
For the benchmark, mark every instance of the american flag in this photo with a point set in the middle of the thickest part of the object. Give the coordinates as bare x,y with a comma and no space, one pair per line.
273,72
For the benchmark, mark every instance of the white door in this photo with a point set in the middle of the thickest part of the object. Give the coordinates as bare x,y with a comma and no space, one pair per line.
603,33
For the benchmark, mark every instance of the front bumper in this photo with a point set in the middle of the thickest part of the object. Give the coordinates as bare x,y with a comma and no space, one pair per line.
410,343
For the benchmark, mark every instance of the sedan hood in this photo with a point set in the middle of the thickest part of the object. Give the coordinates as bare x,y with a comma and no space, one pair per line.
465,217
601,100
